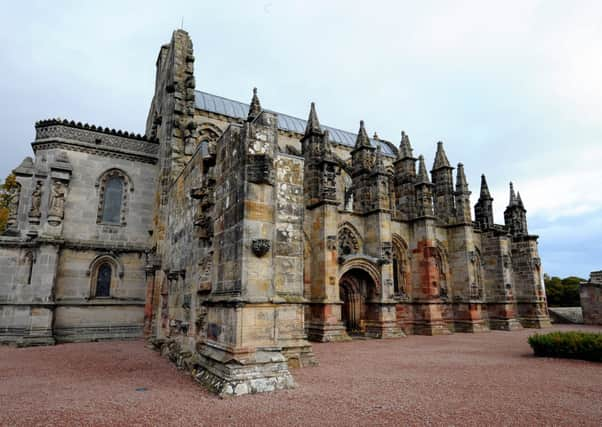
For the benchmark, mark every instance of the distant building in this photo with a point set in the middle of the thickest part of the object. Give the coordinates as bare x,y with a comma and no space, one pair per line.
590,294
237,235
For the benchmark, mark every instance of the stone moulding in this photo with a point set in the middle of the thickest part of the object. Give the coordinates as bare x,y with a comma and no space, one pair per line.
96,150
93,128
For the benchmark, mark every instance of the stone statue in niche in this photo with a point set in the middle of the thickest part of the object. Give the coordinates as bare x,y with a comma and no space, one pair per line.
36,201
57,200
13,205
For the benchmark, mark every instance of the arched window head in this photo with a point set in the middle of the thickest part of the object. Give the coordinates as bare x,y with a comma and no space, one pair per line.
114,186
103,280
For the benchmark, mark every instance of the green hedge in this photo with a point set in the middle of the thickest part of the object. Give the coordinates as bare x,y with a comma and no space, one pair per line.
572,345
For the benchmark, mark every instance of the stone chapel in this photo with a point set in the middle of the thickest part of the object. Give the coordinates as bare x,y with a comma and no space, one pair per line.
230,236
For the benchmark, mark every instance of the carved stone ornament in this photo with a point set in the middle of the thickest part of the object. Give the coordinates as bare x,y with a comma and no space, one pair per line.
386,252
57,202
260,247
13,205
472,256
36,201
331,243
348,242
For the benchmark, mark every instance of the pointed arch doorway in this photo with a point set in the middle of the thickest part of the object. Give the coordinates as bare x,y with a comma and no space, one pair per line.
356,290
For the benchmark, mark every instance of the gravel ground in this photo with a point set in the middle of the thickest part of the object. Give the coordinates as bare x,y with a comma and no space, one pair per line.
461,379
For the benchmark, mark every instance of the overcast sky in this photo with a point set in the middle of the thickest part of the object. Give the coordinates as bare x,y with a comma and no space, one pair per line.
514,89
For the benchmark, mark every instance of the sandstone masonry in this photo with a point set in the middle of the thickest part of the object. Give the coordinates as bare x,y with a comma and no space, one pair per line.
231,236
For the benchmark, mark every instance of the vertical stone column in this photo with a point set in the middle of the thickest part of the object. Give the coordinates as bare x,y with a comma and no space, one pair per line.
428,307
498,281
321,225
530,295
43,281
468,294
243,353
150,298
382,318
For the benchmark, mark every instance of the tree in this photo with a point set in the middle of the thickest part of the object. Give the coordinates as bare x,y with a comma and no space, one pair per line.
6,196
563,292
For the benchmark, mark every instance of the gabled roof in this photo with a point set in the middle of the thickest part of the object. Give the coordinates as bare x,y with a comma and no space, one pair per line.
240,110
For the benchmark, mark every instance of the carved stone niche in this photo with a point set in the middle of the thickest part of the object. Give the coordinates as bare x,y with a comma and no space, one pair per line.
260,247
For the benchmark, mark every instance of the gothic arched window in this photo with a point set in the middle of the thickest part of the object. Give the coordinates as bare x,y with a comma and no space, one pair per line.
114,186
103,280
111,209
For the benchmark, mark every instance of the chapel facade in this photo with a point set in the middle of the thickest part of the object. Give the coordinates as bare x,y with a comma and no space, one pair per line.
231,236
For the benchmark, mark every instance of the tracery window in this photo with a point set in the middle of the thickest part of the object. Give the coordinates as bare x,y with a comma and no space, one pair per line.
348,242
114,186
401,267
103,280
443,271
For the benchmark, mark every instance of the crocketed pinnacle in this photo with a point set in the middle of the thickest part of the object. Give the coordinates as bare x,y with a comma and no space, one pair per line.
313,124
423,175
441,160
461,183
379,164
255,107
362,140
484,188
513,200
519,201
405,148
327,150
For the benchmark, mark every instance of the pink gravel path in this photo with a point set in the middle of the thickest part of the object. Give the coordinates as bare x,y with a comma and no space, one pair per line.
461,379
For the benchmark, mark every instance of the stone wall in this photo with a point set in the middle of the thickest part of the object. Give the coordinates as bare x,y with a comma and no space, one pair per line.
49,255
590,293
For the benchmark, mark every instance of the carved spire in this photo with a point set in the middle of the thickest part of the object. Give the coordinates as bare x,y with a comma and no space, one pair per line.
405,148
461,183
483,210
441,160
484,188
515,215
313,124
424,195
327,149
512,196
462,197
362,140
519,201
423,175
255,107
